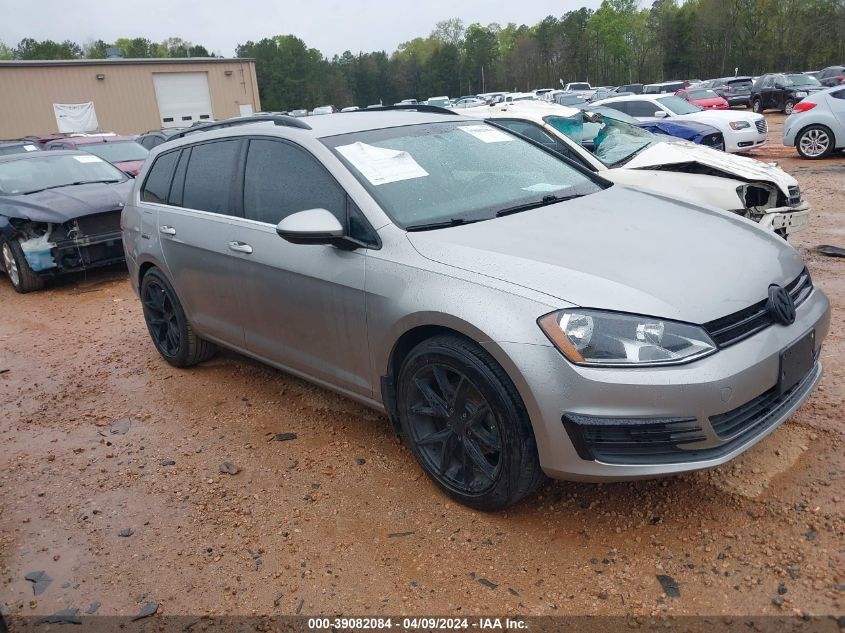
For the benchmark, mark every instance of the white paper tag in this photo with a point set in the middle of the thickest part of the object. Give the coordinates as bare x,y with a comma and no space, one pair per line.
381,166
486,133
89,159
30,148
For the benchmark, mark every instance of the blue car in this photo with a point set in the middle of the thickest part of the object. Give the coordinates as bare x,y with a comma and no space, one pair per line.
699,133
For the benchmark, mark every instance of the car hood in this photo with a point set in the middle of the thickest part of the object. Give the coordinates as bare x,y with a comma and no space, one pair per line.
66,203
733,166
624,250
722,117
130,166
676,126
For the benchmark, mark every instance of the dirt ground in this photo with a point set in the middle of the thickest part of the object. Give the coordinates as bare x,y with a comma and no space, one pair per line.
341,519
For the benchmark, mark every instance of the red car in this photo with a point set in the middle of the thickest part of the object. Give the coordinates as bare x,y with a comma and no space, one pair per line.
703,98
124,152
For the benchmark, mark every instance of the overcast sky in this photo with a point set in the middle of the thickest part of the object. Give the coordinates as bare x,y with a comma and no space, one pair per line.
332,26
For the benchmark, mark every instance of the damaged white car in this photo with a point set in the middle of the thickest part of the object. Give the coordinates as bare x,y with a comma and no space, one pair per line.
624,153
59,213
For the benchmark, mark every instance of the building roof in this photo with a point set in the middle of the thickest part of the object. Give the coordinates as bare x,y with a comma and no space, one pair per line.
118,61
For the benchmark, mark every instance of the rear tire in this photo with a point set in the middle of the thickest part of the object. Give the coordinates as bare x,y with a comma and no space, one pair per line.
16,267
788,107
172,335
814,142
466,424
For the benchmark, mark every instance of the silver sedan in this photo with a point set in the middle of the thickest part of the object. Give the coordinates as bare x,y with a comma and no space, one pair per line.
515,316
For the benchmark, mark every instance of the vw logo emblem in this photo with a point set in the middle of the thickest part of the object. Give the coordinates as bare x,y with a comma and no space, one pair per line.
780,305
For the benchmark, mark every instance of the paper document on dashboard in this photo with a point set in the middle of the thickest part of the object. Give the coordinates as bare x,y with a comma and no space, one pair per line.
381,166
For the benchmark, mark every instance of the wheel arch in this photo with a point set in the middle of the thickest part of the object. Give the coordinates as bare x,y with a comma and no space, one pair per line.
418,328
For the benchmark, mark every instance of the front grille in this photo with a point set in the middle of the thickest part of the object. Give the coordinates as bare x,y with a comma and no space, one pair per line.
737,425
794,196
740,325
716,141
762,126
99,223
631,441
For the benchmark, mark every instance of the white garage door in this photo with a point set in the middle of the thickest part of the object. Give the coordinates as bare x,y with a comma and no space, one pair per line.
183,98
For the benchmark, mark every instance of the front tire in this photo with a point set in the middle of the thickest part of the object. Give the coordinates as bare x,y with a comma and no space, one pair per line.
757,106
814,142
466,424
16,267
167,324
788,107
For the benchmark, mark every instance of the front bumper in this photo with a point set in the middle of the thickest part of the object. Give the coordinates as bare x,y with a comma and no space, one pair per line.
745,139
724,382
787,219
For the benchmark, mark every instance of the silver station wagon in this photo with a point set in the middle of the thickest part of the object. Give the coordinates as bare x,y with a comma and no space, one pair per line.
514,314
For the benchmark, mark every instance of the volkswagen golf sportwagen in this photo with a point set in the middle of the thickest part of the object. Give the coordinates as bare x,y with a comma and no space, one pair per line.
516,315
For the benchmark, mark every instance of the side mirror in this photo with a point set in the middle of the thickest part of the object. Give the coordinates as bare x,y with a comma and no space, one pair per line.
660,114
313,226
779,86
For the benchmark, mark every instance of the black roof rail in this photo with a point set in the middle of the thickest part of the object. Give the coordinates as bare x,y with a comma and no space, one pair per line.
277,119
419,107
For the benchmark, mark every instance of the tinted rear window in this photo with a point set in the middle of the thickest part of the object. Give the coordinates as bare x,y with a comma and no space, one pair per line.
157,185
210,175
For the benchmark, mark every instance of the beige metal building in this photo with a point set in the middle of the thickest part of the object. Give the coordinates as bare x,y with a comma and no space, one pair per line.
130,96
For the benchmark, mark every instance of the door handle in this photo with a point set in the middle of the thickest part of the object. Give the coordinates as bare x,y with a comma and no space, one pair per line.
167,230
240,247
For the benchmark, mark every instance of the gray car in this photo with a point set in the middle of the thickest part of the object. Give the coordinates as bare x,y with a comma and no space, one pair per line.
816,126
514,315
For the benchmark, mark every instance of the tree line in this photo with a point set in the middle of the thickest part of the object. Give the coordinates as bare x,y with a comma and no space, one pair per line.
32,49
620,42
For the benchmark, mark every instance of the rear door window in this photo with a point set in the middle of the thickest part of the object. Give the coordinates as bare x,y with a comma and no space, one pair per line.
210,177
157,185
642,108
281,179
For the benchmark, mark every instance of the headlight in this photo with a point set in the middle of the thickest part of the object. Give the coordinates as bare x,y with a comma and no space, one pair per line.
801,94
739,125
594,337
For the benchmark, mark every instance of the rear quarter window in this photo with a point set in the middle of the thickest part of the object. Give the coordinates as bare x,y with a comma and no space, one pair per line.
157,185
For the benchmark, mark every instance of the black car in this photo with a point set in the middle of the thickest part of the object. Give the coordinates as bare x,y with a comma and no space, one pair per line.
735,90
832,76
59,213
781,91
17,147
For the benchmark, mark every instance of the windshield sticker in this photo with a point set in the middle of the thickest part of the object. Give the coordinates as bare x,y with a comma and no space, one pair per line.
543,187
486,133
30,148
381,166
88,159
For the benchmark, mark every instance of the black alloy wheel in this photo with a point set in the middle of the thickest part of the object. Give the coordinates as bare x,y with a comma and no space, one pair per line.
456,432
466,424
168,325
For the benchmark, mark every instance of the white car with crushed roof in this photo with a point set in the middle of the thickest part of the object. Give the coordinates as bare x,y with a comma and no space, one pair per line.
629,155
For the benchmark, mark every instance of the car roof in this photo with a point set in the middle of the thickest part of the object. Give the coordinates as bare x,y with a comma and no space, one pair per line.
8,158
95,139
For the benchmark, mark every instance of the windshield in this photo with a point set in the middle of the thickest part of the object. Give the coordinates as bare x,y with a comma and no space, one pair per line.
579,86
456,171
48,171
678,105
613,141
802,80
702,94
441,102
117,151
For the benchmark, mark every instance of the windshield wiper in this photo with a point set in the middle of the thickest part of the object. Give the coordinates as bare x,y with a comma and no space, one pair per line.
542,202
70,184
430,226
622,161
